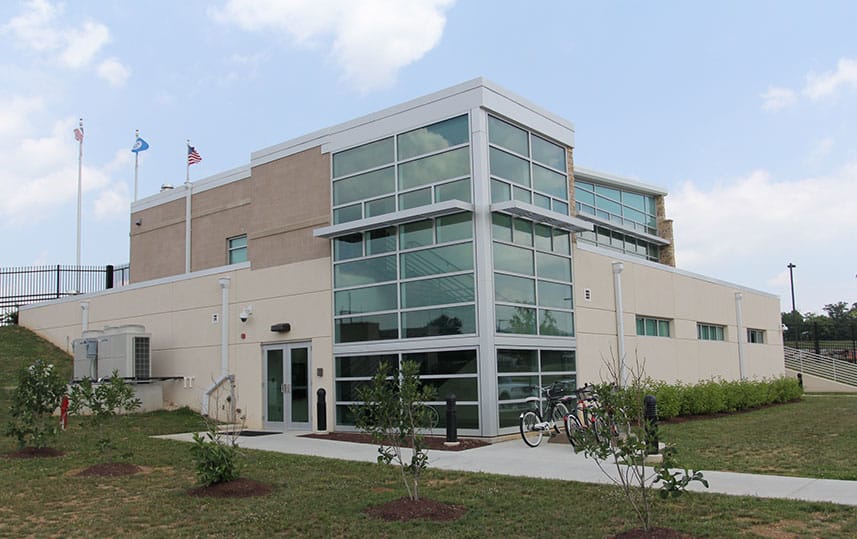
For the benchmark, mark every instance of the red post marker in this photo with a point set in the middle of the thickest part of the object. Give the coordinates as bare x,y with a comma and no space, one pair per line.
64,412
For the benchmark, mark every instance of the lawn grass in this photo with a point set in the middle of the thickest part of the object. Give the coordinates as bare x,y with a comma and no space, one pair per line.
811,438
324,497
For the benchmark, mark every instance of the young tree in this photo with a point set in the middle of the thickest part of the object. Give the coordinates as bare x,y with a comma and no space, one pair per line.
102,400
395,414
38,394
618,441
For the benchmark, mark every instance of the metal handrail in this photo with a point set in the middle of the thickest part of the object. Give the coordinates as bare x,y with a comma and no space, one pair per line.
822,366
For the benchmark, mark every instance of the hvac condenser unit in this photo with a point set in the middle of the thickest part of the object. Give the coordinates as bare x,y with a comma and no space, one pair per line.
125,349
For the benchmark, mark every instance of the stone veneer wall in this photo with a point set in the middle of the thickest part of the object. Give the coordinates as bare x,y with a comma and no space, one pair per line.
665,231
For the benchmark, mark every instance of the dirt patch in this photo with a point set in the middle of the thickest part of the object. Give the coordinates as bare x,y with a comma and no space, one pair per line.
404,509
109,469
432,442
239,488
658,533
34,453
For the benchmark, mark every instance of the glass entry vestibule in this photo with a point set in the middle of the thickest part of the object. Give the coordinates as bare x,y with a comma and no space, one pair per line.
287,386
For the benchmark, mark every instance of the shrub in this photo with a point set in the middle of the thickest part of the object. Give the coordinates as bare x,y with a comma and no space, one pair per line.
717,396
216,455
215,460
39,392
102,400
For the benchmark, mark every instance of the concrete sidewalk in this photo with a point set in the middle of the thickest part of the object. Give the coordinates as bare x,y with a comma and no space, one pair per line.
554,461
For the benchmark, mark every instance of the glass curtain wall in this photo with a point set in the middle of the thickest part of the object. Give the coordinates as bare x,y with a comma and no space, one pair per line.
449,371
521,372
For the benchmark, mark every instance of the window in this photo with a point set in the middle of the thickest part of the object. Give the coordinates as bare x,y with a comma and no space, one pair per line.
449,371
653,327
237,249
411,281
416,168
756,336
633,210
526,167
520,372
617,241
709,332
532,278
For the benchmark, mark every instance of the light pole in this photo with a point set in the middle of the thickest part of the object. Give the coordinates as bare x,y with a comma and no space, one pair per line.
792,280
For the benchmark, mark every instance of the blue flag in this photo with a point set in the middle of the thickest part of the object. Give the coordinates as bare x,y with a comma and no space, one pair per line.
140,145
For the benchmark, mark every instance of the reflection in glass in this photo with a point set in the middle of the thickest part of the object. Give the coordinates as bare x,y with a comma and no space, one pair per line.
363,186
365,300
511,289
367,328
446,259
559,323
442,321
363,157
515,319
435,168
439,291
509,167
433,138
513,259
508,136
548,153
367,271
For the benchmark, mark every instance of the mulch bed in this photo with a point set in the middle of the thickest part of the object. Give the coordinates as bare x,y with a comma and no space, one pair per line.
109,469
404,509
239,488
34,453
432,442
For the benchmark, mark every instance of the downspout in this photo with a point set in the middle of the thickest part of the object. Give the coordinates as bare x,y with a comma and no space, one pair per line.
739,315
620,321
224,346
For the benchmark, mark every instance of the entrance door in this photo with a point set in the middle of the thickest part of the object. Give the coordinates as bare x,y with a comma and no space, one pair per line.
287,386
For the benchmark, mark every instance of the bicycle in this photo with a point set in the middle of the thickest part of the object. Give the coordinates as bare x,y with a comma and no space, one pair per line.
533,427
583,416
586,415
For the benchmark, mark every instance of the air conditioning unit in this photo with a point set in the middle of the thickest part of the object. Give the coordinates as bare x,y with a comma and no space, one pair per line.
125,349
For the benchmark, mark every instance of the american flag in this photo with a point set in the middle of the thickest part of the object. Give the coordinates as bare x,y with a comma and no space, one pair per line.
78,134
193,156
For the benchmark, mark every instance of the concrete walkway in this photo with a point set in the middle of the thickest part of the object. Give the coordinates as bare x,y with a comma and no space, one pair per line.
554,461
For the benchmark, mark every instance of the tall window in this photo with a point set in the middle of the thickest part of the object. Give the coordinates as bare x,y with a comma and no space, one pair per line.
521,372
414,280
653,327
237,249
532,278
710,332
422,166
449,371
526,167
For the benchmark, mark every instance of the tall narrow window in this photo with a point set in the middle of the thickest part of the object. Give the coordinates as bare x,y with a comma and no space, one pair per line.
237,249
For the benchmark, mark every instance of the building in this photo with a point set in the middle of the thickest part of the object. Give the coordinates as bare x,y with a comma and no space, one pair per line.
453,230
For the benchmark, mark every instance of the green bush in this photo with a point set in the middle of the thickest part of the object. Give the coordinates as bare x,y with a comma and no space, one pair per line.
718,396
216,461
39,392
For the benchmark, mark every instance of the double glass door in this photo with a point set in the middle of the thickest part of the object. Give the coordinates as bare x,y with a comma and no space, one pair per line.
287,386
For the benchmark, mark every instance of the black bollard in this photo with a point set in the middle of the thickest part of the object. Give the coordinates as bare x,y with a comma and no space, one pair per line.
451,421
800,380
321,409
108,276
650,402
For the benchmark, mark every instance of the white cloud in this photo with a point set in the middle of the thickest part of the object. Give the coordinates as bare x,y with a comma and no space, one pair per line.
746,230
114,72
15,116
369,39
82,44
43,28
827,84
777,98
40,175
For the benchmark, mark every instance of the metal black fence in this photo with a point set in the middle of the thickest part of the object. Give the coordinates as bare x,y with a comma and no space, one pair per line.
833,339
31,284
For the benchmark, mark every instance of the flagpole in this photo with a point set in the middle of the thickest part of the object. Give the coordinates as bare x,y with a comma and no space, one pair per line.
187,211
79,199
136,164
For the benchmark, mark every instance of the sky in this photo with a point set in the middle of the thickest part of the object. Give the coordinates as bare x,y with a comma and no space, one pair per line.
746,112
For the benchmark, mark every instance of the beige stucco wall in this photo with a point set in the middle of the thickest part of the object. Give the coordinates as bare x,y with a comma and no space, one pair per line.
660,292
186,342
